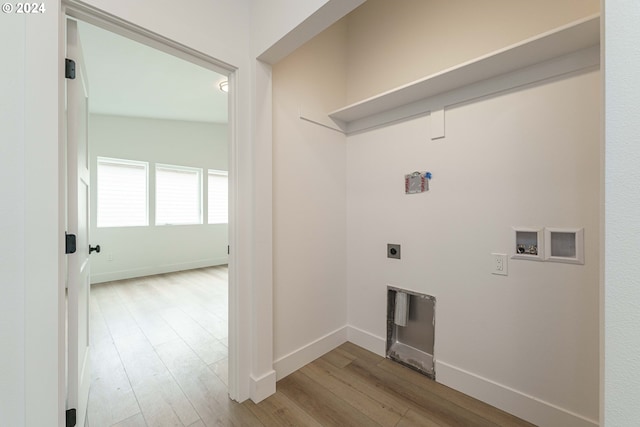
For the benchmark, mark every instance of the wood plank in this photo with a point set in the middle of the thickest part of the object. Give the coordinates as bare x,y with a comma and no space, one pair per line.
221,369
467,402
327,408
442,410
278,410
214,324
154,327
204,344
162,401
204,389
111,398
387,400
338,358
382,414
116,315
99,330
140,296
364,356
134,421
415,419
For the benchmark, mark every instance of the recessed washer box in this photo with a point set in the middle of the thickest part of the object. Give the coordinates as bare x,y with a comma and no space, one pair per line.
528,243
564,245
411,329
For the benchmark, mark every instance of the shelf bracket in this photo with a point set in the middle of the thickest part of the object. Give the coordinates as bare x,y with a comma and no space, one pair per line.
320,120
437,123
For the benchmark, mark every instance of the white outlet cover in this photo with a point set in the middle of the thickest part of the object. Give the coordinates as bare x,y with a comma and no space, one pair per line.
499,264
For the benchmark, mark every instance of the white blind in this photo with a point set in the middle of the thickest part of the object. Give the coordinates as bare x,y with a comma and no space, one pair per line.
178,195
218,197
122,193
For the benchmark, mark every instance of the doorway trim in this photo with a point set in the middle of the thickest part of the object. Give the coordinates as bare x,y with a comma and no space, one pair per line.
78,10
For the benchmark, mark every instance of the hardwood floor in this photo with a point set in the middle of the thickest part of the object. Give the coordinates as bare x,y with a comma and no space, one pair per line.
160,359
159,349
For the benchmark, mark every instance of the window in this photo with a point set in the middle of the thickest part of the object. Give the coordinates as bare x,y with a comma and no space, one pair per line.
178,195
122,193
218,193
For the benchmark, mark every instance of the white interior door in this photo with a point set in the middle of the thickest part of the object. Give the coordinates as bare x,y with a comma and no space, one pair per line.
78,368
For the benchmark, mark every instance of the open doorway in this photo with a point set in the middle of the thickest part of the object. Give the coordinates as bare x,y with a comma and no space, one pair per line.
159,148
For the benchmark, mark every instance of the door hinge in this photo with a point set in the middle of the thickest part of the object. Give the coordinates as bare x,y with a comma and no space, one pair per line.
69,68
228,251
71,417
70,243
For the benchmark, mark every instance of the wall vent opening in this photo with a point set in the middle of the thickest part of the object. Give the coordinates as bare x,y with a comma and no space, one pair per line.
411,329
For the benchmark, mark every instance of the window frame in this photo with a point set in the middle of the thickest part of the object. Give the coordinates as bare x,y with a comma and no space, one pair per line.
219,173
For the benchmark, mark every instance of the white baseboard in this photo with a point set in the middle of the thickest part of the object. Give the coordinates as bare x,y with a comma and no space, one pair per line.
263,387
158,269
366,340
512,401
295,360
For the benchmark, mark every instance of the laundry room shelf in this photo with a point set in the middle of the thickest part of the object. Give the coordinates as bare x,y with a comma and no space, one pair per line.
577,36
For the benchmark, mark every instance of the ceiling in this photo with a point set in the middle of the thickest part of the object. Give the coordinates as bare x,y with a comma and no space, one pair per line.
127,78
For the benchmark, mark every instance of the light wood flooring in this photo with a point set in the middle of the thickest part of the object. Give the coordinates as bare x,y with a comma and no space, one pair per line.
159,349
160,359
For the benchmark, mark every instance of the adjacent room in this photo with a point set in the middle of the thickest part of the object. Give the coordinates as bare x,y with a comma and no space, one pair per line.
158,148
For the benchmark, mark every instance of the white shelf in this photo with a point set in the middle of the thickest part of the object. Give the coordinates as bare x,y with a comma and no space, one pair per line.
574,37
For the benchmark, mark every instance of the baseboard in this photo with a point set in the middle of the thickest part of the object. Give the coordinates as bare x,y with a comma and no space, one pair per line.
263,387
366,340
295,360
156,269
512,401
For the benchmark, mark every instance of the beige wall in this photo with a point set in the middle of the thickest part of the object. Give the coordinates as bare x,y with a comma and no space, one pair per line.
309,186
395,42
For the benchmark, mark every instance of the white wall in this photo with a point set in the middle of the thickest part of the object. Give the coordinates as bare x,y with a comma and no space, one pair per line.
621,292
12,211
139,251
478,353
36,102
309,246
37,268
218,28
277,29
524,158
266,32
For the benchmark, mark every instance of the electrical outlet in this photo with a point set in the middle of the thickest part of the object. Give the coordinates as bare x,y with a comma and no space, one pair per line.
393,251
499,265
110,257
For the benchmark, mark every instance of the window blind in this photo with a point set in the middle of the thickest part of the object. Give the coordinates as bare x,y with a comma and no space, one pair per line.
178,195
122,193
